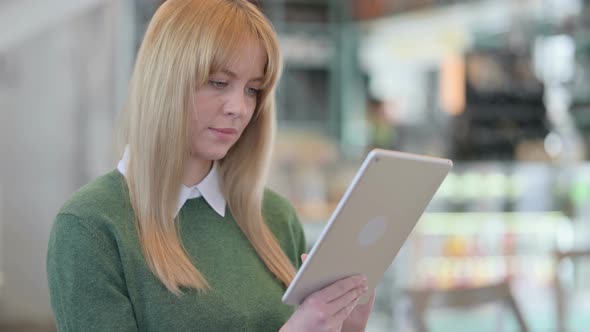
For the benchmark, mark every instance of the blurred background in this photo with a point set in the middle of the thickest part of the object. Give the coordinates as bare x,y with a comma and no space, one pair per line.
502,87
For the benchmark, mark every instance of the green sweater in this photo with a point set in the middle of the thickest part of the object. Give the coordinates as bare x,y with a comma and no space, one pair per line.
100,281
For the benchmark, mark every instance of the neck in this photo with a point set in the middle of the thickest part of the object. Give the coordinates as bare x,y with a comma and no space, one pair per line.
195,171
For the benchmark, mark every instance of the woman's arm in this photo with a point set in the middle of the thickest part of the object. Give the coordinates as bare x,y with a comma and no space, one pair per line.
85,277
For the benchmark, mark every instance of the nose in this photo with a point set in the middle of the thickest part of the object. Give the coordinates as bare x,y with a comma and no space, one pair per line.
235,105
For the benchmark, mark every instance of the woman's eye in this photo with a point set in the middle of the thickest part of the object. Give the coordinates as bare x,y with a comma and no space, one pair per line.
217,84
252,91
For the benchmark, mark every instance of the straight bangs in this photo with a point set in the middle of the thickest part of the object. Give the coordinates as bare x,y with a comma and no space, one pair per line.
228,38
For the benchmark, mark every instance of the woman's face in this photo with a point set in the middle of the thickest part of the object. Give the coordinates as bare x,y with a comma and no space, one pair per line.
223,107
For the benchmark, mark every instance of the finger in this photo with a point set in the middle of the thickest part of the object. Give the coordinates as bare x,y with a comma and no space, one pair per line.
351,297
341,315
303,257
340,287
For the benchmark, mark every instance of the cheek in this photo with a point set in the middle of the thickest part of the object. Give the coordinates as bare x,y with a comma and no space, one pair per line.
252,109
201,118
205,105
196,127
250,115
248,119
193,122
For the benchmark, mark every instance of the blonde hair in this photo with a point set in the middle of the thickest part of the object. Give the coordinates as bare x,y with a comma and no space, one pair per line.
186,41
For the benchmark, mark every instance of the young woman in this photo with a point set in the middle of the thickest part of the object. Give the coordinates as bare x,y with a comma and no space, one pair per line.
183,236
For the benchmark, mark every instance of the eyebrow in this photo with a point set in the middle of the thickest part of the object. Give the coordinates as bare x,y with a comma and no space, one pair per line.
233,75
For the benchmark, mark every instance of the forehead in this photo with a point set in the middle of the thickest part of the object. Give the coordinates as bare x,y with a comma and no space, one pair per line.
250,56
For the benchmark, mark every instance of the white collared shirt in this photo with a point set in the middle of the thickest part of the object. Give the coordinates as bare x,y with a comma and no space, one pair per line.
208,188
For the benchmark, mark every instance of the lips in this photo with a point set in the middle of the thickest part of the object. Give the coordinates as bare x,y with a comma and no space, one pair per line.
229,131
225,134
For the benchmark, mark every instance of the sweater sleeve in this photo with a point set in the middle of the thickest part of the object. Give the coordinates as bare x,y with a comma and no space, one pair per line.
299,236
86,281
283,220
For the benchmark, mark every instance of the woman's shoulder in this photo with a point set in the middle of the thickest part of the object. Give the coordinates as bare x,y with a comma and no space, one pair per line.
96,217
275,203
105,196
278,211
282,219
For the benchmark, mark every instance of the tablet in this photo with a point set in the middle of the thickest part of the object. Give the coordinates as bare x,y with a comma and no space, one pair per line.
380,208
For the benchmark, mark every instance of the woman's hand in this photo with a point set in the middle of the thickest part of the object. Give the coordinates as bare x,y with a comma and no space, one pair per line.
358,318
328,308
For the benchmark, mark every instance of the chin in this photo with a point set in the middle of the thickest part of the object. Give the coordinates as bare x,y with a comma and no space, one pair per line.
217,155
211,151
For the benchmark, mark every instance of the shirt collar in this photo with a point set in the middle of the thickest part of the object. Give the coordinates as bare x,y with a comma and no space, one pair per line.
208,188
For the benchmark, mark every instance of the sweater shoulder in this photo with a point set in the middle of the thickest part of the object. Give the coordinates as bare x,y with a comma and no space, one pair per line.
277,207
282,219
104,198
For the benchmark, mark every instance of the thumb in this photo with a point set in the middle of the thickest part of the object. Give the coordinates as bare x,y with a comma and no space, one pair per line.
303,257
